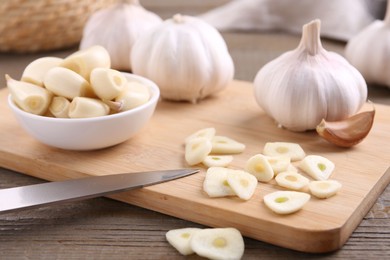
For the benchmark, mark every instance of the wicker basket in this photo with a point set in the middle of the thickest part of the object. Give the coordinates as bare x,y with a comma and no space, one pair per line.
44,25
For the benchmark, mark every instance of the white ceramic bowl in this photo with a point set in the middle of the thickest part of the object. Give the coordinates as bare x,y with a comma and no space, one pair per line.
89,133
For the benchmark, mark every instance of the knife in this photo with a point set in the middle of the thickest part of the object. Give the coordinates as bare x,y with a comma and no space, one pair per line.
33,196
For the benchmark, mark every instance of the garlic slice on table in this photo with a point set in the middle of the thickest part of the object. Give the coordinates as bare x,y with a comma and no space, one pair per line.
324,189
318,167
259,166
208,132
215,183
217,160
29,97
303,86
187,58
242,183
279,163
197,150
286,202
226,145
37,69
369,50
218,243
291,180
117,28
292,150
181,239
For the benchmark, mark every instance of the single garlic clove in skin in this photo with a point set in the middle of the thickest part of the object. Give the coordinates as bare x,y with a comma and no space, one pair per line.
67,83
84,61
348,132
37,69
83,107
301,87
59,107
107,83
29,97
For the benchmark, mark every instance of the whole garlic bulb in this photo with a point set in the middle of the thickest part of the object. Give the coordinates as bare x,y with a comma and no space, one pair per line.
369,51
117,28
187,58
303,86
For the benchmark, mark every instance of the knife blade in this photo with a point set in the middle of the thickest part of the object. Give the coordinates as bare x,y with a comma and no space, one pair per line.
37,195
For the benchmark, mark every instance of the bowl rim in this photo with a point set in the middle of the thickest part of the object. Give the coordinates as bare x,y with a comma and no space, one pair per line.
155,95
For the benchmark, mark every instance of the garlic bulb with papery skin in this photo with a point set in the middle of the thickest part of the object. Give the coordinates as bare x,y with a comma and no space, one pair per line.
117,28
303,86
369,51
187,58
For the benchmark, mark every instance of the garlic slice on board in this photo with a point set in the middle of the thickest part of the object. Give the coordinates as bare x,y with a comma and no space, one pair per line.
286,202
215,184
242,183
259,166
218,243
318,167
279,163
292,180
324,189
217,160
292,150
205,132
180,239
197,150
226,145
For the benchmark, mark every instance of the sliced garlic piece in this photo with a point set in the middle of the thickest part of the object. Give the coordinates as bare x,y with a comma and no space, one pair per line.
59,107
215,184
82,107
197,150
242,183
84,61
291,180
133,95
205,132
180,239
218,243
324,189
107,83
286,202
225,145
67,83
29,97
217,160
318,167
35,71
292,150
259,166
279,163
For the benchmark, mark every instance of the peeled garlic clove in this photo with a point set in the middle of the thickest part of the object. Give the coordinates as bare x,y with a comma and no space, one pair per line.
82,107
218,243
29,97
291,180
84,61
197,150
36,70
217,160
215,183
208,132
66,83
324,189
225,145
59,107
181,238
107,83
242,183
279,163
259,166
348,132
133,95
318,167
292,150
286,202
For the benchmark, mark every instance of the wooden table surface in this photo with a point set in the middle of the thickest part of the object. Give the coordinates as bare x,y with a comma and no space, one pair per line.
102,228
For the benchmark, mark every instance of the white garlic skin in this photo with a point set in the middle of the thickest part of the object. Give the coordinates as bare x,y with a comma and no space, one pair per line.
187,58
117,28
301,87
369,51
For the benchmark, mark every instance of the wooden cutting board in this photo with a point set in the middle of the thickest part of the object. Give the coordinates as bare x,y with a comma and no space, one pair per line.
321,226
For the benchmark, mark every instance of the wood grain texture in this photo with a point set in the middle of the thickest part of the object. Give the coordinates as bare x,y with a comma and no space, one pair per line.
323,225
